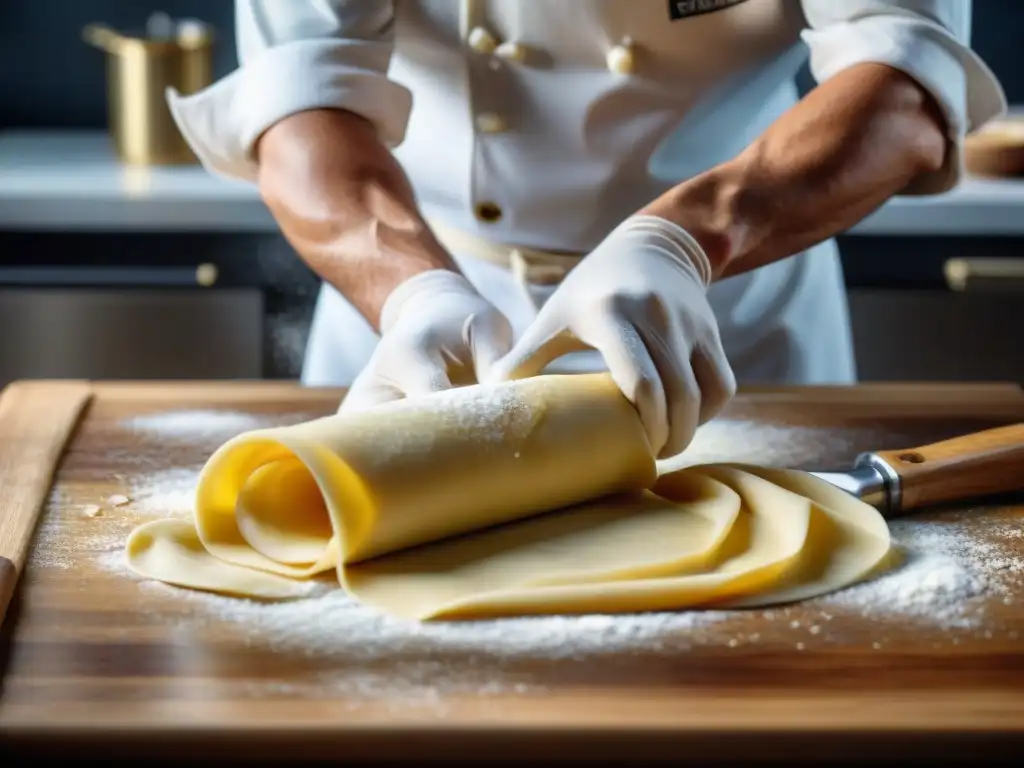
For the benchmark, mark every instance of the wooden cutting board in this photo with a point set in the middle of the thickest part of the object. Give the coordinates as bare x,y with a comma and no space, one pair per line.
95,662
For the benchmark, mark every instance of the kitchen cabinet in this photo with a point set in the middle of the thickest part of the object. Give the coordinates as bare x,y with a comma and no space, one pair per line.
910,322
134,334
140,305
919,334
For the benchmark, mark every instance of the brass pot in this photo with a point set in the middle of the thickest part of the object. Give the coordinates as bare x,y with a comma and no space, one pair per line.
140,69
996,149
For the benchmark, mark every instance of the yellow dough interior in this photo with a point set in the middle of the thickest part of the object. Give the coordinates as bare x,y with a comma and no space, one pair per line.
530,497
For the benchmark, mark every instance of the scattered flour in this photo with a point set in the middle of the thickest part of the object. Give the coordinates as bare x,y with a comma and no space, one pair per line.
166,493
331,624
355,650
781,445
738,440
54,548
195,423
947,571
944,568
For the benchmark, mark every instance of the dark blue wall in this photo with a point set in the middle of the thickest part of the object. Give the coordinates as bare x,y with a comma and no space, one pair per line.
50,78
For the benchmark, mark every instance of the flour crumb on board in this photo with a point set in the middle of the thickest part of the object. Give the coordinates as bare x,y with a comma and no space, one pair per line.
147,491
155,495
54,546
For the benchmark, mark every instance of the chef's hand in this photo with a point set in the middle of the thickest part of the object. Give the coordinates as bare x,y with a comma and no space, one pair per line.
640,300
437,331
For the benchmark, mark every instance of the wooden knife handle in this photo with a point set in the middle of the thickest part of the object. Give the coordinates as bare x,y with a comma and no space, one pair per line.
979,464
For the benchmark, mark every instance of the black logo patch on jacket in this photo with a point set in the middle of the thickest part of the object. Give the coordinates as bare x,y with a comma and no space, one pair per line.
684,9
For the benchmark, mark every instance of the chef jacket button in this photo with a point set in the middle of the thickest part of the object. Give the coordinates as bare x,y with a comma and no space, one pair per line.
621,59
490,122
482,41
488,212
511,51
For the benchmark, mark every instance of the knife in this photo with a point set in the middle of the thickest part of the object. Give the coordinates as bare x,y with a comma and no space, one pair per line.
967,467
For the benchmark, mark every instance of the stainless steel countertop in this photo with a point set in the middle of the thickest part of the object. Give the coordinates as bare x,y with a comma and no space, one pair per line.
71,180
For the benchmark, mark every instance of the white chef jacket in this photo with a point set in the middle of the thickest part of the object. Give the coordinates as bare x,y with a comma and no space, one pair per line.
517,122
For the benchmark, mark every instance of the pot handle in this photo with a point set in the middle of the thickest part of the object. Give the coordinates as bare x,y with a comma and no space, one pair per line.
103,37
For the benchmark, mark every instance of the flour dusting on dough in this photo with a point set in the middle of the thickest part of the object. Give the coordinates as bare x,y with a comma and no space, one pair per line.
471,411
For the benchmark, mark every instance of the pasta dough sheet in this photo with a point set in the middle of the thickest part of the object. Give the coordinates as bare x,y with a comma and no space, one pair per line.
535,496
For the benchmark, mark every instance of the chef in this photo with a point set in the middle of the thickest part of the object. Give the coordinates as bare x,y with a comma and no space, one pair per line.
494,189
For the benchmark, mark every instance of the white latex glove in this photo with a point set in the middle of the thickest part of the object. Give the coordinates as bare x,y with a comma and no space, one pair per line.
437,331
639,299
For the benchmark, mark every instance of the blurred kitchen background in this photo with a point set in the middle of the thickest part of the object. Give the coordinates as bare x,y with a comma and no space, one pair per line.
109,271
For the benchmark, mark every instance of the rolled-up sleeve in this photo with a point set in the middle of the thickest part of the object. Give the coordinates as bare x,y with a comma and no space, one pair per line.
927,39
295,55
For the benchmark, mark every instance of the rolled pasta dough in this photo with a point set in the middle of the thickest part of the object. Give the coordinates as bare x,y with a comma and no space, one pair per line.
527,497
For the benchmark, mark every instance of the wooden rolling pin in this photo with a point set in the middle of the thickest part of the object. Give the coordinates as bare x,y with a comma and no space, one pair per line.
966,467
38,418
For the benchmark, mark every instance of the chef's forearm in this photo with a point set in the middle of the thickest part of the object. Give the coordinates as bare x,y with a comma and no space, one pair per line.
346,206
846,148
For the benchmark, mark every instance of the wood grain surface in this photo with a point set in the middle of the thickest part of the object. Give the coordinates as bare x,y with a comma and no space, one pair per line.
96,662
